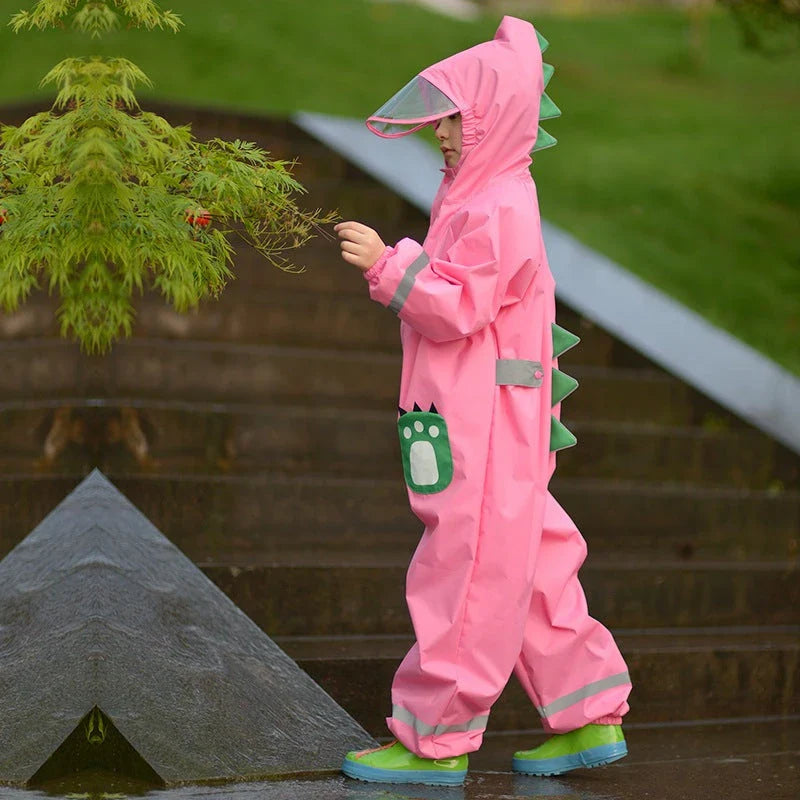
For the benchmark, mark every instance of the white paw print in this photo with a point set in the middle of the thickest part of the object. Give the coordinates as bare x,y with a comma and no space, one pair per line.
422,456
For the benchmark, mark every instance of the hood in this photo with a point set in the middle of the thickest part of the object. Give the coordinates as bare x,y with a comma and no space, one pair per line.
498,87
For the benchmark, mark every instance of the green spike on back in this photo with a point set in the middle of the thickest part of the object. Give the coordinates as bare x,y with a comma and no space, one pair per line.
543,43
544,140
563,340
560,436
563,385
548,70
548,109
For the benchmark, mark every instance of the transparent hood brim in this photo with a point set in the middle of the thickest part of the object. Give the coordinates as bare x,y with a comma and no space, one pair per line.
417,104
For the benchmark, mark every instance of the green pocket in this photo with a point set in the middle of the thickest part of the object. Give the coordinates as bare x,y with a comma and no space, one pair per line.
425,449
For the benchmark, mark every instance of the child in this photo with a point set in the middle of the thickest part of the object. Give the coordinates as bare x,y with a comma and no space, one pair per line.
493,585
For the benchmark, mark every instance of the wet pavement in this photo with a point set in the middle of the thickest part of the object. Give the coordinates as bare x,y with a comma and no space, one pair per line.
769,776
737,761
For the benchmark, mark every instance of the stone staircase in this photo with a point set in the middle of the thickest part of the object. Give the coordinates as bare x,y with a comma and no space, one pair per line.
258,435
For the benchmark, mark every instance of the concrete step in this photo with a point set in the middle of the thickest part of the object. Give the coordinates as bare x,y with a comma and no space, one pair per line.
257,513
189,437
292,314
317,593
677,675
223,372
287,317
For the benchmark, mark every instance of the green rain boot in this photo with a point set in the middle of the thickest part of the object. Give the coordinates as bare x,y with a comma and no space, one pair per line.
589,746
393,763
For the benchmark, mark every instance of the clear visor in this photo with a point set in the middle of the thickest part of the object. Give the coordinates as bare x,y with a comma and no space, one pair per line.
417,104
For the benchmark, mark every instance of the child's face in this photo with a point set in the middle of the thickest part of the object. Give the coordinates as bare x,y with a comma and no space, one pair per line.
448,132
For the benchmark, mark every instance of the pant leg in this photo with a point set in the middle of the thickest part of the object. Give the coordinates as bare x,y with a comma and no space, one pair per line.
569,665
470,581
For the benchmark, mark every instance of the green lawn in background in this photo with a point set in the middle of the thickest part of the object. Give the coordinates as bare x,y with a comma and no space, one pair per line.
687,174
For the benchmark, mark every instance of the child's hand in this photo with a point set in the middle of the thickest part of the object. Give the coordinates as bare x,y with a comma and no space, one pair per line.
360,244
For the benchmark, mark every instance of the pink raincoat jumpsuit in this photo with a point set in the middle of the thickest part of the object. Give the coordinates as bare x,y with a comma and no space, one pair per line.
492,587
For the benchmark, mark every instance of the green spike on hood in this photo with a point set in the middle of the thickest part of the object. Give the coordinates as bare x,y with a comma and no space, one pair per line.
563,340
563,385
560,436
544,140
543,43
548,109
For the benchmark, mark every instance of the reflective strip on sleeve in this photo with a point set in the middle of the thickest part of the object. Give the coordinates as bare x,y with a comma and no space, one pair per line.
518,372
404,289
423,729
589,690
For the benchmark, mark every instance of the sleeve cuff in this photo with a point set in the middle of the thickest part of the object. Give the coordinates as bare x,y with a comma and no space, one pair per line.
374,272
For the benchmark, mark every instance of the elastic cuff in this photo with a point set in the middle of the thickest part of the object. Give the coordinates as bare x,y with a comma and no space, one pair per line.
608,720
374,272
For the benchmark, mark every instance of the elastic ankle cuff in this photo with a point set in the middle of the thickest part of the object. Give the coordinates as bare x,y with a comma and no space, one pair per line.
608,720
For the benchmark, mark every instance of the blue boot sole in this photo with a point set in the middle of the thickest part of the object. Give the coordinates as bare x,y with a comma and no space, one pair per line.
586,759
364,772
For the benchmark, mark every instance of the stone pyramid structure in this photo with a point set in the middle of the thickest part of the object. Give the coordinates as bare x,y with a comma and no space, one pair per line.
111,638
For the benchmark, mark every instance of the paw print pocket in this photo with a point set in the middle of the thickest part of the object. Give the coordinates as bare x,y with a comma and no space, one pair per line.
425,449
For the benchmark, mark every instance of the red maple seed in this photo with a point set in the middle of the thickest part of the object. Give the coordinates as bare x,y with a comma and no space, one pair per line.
3,215
201,217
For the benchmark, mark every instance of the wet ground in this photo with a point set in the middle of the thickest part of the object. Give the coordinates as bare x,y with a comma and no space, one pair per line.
729,761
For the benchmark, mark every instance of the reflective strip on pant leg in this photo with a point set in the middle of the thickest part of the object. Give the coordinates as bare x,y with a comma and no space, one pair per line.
518,372
423,729
581,694
404,289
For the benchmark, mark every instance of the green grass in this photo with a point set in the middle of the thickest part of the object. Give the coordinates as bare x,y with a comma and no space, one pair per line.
685,172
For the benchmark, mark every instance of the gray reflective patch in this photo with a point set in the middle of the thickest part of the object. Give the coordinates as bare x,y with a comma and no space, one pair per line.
404,289
423,729
518,372
581,694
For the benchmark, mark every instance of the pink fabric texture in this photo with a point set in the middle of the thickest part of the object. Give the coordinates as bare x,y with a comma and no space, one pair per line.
492,587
